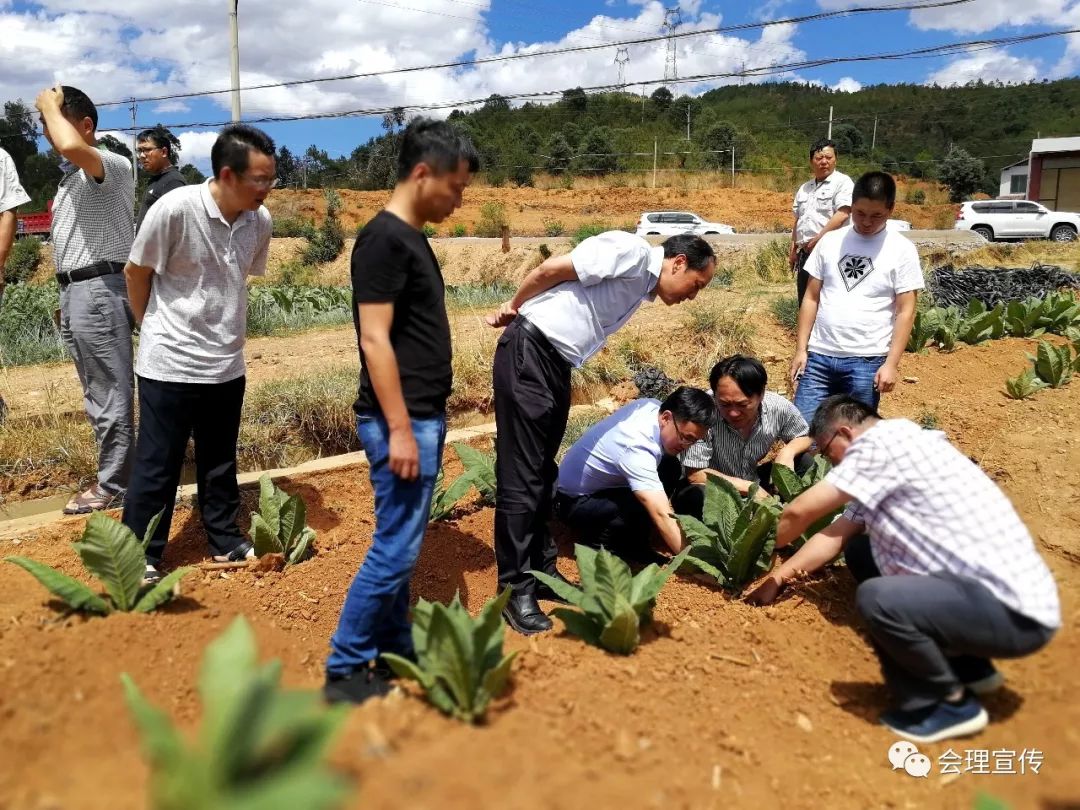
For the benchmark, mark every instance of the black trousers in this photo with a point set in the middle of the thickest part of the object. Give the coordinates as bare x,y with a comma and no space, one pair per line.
802,277
170,413
614,518
933,633
532,402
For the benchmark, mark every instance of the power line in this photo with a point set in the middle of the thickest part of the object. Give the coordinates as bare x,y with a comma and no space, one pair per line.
556,51
923,53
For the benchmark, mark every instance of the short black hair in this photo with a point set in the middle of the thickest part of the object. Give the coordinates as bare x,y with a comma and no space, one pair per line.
877,186
691,405
699,253
233,144
161,138
747,372
822,143
840,409
440,145
77,105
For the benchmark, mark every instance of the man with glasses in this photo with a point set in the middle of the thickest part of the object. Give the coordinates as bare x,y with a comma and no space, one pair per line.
187,280
156,151
616,480
562,314
948,575
93,225
750,422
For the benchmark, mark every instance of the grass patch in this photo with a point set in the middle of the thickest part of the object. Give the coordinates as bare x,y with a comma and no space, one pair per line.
491,221
23,260
769,263
28,333
55,447
472,296
711,333
786,311
276,309
587,230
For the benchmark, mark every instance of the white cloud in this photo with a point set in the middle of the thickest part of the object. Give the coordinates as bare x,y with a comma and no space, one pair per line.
195,148
989,66
977,16
847,85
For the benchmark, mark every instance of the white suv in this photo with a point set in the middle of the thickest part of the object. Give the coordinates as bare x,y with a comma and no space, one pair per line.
670,223
1016,219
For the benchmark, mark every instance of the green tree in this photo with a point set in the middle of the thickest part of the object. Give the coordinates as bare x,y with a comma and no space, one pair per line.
661,98
573,134
559,154
115,145
597,154
18,136
721,135
192,174
962,173
496,103
286,166
40,175
849,140
575,100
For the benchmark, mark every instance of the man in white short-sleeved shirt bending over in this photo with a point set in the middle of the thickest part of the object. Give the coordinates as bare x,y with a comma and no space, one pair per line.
187,281
856,318
616,481
949,575
561,315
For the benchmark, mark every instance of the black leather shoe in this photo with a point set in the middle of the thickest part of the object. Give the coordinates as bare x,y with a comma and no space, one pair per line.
524,614
544,591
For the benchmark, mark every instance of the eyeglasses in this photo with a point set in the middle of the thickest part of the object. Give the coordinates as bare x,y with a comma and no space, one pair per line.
146,150
825,446
261,182
683,437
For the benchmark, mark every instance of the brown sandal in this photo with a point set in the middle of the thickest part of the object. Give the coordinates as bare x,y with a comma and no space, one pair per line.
93,500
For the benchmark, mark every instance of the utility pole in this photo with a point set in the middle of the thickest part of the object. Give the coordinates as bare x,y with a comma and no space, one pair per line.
643,103
654,154
134,144
235,32
829,136
873,139
688,120
733,165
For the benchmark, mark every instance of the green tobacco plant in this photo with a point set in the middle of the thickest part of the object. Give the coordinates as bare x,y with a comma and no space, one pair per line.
259,746
980,324
460,662
112,553
789,485
1022,318
479,469
1058,313
280,525
445,498
1023,385
923,329
1053,364
734,540
612,604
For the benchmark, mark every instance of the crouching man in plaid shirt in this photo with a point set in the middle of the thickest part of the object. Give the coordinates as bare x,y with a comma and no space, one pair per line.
948,577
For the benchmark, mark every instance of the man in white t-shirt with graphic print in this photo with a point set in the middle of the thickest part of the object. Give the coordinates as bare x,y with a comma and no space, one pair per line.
856,318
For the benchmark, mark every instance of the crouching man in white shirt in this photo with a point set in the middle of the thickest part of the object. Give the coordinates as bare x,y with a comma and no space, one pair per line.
948,578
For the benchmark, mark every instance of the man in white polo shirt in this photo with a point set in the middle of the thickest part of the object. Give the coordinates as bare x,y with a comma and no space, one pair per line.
187,281
821,204
949,577
561,315
616,481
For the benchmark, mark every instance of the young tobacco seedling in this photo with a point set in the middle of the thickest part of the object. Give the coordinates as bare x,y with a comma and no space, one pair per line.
459,659
259,746
1053,364
734,540
926,325
280,525
479,469
112,553
1023,385
612,604
789,485
445,498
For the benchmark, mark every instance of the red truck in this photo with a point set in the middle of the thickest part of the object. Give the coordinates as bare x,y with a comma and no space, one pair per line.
34,224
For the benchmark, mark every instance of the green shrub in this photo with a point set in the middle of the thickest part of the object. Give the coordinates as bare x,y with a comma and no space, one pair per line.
492,219
915,197
590,229
112,553
770,261
459,659
553,227
294,227
326,244
260,746
429,230
22,262
458,230
545,251
280,525
470,296
276,308
28,333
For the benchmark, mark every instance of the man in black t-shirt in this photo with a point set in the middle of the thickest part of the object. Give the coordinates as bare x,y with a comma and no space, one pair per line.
399,311
157,149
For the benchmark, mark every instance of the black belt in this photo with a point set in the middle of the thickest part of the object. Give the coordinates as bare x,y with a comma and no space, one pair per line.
90,271
533,331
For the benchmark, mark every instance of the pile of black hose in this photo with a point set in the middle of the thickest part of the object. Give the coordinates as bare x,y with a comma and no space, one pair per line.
993,285
652,383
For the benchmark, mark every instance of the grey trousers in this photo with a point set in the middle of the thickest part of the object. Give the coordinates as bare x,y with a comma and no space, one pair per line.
96,324
926,628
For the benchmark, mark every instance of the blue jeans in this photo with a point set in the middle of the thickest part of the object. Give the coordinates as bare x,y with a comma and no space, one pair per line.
375,616
825,376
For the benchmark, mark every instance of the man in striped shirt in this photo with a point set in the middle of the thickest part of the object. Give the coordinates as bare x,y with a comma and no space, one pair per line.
749,423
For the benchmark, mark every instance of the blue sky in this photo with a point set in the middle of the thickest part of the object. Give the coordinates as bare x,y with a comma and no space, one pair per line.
148,48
